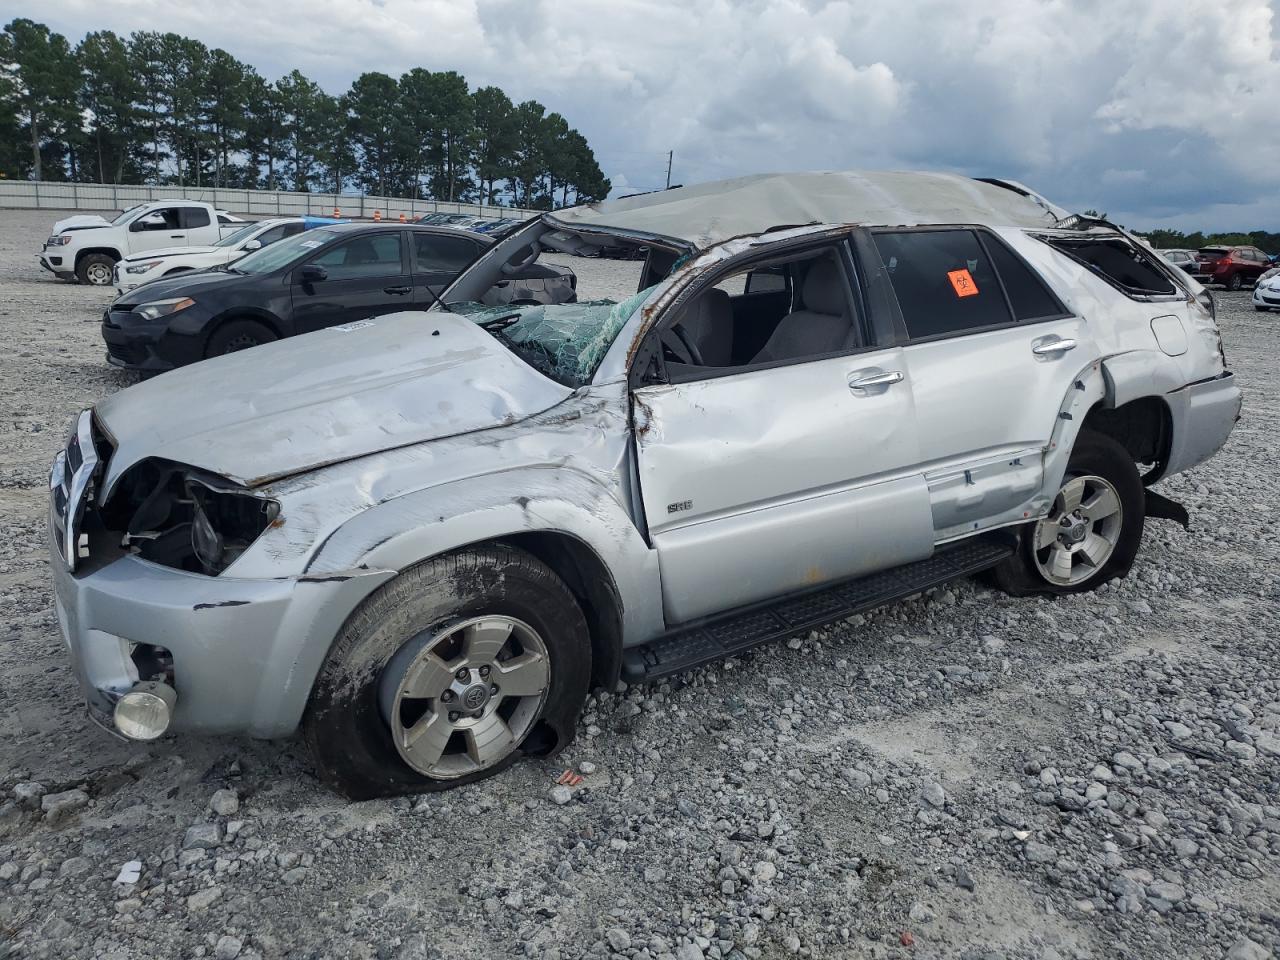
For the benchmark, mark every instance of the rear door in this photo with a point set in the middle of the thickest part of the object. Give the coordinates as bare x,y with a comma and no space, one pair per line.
366,275
436,260
991,354
200,226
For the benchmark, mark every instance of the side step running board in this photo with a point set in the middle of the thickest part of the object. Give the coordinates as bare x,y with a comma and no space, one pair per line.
713,638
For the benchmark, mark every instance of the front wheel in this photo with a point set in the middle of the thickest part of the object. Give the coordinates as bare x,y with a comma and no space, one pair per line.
95,269
1092,531
448,674
236,335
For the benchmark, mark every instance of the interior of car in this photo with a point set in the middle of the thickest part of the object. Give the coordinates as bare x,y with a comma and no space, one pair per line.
784,310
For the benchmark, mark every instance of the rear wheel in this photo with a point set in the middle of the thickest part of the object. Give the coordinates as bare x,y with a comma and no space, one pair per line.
235,335
95,269
449,674
1092,531
1235,282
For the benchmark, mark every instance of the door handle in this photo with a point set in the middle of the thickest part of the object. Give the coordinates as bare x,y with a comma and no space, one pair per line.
1049,348
398,291
175,236
884,379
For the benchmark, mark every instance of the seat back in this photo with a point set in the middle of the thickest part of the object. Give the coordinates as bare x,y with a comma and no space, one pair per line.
822,326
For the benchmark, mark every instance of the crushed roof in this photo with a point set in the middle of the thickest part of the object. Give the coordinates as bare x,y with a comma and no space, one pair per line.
708,213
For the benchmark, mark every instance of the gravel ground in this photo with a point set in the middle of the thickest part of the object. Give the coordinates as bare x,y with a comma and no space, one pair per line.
958,775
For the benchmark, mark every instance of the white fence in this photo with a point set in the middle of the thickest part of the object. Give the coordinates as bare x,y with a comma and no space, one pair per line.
47,195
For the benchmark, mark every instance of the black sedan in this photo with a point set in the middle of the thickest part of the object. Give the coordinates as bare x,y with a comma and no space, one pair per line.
320,278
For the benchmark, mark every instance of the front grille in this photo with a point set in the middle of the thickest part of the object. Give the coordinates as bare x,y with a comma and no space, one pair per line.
127,352
1268,299
71,487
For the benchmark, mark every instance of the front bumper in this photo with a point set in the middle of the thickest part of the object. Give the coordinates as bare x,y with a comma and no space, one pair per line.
245,652
56,264
149,346
1204,414
1266,297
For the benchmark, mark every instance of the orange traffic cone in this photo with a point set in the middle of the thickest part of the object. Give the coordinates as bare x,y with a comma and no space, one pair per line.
403,218
377,216
336,213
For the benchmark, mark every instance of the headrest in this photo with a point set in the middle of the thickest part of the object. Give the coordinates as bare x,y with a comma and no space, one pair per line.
823,290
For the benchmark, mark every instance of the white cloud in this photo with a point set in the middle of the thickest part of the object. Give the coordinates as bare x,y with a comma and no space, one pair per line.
1165,111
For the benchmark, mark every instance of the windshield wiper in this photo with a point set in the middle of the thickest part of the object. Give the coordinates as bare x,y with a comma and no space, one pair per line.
500,323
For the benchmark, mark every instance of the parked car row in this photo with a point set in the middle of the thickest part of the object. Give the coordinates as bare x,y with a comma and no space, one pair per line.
1233,267
423,538
87,247
332,275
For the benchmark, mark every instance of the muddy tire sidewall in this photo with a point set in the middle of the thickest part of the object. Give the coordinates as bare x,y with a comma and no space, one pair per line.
344,727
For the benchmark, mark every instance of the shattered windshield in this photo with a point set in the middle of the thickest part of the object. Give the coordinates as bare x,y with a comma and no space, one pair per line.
565,341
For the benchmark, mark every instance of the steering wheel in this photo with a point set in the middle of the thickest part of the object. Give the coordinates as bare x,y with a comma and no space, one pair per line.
511,269
690,348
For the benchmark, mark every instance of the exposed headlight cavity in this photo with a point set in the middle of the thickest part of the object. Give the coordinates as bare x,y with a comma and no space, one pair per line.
186,518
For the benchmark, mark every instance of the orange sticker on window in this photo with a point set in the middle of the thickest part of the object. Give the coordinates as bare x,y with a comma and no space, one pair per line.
962,283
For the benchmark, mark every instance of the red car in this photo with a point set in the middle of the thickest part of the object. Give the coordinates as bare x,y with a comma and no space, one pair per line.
1231,266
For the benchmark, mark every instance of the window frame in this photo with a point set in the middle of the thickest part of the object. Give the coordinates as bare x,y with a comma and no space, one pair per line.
1171,273
650,352
985,238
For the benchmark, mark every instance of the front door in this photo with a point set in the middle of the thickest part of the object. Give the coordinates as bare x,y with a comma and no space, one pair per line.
158,228
772,477
991,354
365,276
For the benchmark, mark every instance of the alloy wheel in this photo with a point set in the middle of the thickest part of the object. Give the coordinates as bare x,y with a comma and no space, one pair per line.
1080,533
461,698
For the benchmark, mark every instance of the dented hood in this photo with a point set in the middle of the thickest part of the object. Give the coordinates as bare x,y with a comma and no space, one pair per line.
81,221
333,395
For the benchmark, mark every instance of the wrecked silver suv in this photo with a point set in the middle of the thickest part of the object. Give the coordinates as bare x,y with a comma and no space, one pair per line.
424,537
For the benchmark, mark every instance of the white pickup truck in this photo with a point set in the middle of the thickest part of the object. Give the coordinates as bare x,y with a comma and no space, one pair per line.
86,247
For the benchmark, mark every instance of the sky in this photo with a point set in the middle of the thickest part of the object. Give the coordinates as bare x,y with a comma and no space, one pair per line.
1157,112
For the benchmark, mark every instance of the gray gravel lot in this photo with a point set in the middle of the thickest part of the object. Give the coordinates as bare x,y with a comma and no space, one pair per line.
958,775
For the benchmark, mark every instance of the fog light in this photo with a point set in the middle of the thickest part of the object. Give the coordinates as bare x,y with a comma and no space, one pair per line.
146,711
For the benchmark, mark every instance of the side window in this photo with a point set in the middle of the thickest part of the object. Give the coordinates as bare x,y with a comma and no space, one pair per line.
1136,272
944,282
293,229
720,327
368,256
435,253
166,219
193,217
271,236
767,280
1028,295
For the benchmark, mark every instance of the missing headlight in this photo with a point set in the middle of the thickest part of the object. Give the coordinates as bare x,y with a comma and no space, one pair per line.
185,518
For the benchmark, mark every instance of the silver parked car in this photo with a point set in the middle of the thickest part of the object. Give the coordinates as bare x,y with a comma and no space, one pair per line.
424,537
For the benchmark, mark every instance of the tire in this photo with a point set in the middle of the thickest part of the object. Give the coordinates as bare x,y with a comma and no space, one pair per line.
1261,309
1097,464
95,269
232,336
1235,282
447,609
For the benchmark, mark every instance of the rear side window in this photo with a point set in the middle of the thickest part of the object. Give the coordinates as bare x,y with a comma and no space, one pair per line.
1118,262
944,282
435,253
193,217
1028,295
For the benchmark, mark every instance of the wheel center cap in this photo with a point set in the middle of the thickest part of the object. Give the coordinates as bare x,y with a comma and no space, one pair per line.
474,697
1076,531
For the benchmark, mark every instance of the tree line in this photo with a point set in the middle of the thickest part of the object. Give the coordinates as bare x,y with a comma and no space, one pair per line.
160,108
1177,240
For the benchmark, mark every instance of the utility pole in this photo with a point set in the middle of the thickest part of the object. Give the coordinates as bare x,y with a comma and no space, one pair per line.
670,155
